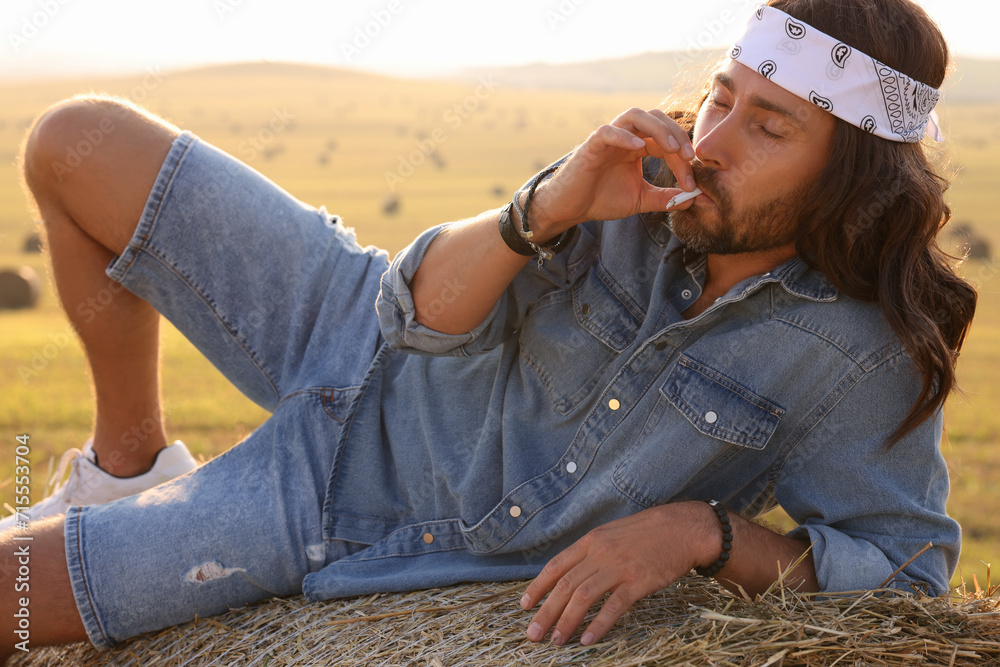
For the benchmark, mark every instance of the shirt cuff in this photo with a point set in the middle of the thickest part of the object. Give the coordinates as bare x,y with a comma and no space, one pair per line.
397,314
848,563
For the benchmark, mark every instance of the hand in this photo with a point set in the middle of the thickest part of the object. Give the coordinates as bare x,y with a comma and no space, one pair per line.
630,558
602,179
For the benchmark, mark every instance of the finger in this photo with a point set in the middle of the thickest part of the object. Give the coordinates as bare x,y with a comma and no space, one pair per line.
664,199
560,594
584,596
665,139
682,134
553,571
616,137
679,162
567,604
617,604
668,135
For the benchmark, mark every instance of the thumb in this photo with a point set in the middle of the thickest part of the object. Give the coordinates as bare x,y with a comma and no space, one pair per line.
667,199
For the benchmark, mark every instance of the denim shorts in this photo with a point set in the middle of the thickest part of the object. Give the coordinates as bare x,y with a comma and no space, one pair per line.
279,296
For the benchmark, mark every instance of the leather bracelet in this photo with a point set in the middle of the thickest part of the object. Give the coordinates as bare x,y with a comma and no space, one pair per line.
510,235
562,241
727,541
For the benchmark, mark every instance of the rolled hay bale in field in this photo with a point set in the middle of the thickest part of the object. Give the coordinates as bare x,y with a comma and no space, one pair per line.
19,287
692,622
390,205
979,248
32,243
962,240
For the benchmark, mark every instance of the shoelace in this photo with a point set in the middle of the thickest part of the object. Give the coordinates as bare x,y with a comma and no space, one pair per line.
71,457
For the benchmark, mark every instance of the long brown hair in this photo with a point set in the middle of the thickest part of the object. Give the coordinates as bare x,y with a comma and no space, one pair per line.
876,210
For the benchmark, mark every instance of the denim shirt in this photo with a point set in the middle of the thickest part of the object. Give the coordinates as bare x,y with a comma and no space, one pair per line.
585,396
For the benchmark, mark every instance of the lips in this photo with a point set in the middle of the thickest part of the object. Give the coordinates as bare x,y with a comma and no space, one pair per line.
706,195
707,180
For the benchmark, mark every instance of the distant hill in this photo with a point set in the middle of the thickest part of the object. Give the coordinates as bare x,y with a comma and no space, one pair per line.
647,72
974,80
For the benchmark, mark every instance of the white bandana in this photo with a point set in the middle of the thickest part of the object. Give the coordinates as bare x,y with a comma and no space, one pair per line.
849,84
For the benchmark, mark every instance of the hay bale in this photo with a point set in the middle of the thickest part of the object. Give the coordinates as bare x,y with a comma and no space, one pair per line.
390,205
967,243
693,621
19,287
32,243
979,248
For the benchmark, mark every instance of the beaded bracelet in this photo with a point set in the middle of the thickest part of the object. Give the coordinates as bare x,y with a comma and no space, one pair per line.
727,542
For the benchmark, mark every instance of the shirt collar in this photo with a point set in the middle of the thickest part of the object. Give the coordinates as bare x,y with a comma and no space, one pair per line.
794,275
799,279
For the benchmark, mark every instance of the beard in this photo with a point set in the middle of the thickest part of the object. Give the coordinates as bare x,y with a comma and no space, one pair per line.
759,226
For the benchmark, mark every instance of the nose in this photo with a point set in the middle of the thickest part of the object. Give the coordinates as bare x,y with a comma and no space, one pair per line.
716,146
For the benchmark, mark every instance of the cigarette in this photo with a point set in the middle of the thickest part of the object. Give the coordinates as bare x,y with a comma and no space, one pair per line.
683,197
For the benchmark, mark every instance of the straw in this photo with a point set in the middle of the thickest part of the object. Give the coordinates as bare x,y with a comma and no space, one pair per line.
692,622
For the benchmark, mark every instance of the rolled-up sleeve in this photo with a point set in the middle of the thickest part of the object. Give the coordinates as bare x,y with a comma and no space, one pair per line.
397,315
866,509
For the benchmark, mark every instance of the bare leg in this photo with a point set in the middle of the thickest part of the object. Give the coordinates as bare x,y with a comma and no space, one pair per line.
53,616
90,212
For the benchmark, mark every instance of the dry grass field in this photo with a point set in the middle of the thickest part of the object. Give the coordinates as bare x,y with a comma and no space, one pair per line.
450,150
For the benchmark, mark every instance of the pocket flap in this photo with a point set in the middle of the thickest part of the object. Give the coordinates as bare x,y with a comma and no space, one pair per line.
720,407
604,309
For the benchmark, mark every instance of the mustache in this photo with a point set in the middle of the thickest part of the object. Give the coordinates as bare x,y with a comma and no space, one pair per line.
707,178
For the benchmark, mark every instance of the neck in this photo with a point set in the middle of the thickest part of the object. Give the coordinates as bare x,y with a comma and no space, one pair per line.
724,271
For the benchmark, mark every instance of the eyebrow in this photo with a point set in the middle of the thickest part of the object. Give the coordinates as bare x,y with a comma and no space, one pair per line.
758,101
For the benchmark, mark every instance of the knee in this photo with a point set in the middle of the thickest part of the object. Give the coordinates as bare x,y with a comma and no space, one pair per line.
67,133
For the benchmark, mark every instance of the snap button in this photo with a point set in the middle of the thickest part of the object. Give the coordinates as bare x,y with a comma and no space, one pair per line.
585,309
428,538
686,294
571,467
711,417
614,404
515,511
660,345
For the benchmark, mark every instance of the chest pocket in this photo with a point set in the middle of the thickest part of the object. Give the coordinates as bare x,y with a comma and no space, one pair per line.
698,418
571,336
720,407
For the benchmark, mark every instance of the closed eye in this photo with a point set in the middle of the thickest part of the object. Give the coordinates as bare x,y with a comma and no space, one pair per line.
767,133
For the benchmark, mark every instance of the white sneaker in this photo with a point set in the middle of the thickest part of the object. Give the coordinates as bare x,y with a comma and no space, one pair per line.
88,484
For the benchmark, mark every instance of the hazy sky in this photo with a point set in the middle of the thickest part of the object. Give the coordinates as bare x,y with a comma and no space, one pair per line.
410,37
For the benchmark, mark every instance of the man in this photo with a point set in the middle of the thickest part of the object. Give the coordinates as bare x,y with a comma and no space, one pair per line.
787,337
